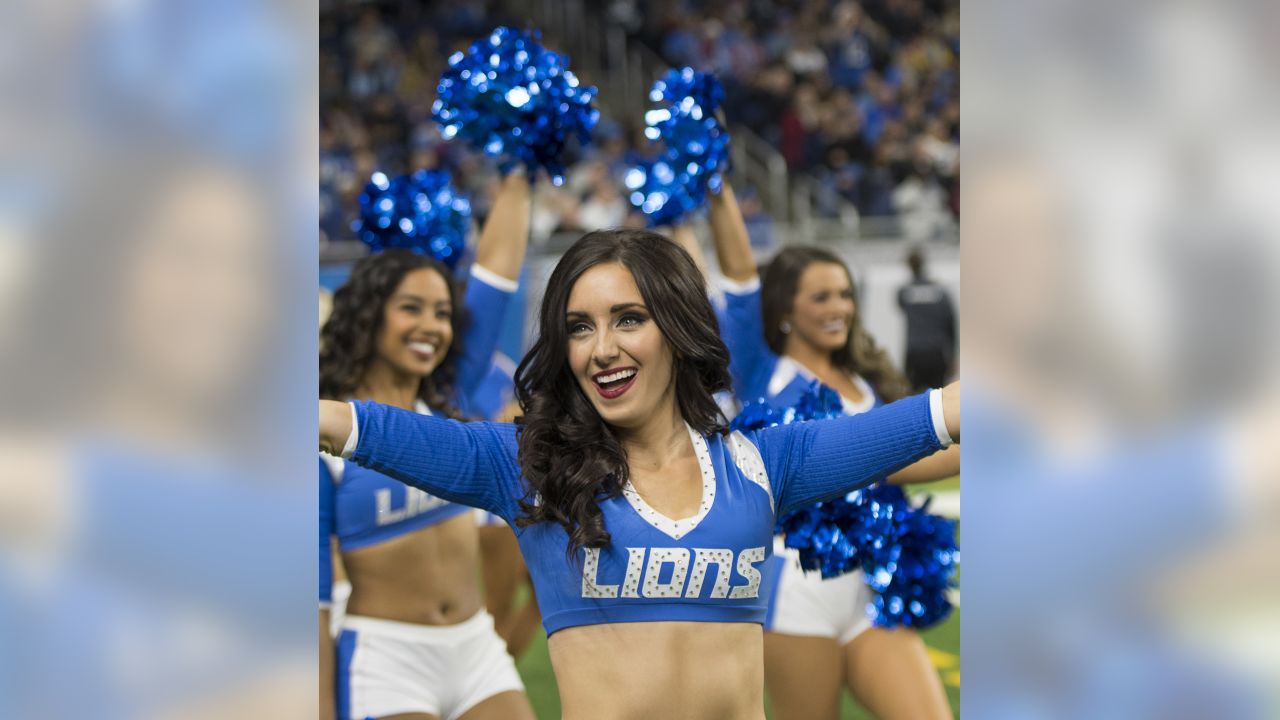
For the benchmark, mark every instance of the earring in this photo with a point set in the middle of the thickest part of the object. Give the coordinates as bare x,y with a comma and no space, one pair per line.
785,327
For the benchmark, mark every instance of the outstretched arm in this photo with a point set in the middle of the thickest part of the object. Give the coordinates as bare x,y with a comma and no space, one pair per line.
816,461
938,466
468,463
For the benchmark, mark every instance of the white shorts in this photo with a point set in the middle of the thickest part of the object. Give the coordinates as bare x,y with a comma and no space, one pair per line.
387,667
805,604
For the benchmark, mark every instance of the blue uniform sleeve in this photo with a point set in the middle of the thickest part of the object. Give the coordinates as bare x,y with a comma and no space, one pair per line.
751,362
326,531
472,464
814,461
487,305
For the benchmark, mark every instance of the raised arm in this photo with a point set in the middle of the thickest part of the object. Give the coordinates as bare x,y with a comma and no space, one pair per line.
750,360
468,463
499,257
733,245
684,236
815,461
505,234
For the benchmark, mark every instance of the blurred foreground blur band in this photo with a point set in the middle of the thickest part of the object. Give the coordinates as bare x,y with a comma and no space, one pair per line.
1120,347
157,356
158,246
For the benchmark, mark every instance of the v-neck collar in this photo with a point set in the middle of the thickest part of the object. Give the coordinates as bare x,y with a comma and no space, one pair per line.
677,529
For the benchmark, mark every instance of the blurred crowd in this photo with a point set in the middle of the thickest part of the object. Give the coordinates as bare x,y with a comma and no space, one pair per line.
861,97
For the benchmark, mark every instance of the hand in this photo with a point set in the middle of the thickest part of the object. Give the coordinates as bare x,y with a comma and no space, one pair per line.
335,426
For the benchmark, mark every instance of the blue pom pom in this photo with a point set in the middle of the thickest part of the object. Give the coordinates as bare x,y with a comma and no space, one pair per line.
909,557
819,402
916,594
419,212
756,415
660,191
515,100
697,148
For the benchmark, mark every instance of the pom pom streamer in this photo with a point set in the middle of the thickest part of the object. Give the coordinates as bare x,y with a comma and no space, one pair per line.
908,555
513,99
419,212
916,594
697,148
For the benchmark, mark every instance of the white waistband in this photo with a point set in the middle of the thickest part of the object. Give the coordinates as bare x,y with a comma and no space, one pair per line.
476,624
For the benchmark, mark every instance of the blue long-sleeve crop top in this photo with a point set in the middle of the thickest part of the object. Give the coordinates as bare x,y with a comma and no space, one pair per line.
702,568
363,507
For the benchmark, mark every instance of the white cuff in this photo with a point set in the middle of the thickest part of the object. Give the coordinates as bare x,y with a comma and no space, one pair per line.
354,437
939,420
745,287
493,279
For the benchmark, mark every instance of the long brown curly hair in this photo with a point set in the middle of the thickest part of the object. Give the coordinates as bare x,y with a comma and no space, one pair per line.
568,454
859,355
348,340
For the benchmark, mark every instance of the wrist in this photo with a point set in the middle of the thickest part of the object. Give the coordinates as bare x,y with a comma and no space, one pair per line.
951,409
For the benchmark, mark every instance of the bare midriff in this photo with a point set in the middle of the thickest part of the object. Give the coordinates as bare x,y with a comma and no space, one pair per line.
426,577
644,670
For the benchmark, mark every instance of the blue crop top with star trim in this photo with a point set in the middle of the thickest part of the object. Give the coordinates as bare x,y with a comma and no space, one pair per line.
365,507
704,568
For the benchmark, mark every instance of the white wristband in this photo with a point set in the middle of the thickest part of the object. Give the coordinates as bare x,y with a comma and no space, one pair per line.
746,287
939,420
493,279
354,437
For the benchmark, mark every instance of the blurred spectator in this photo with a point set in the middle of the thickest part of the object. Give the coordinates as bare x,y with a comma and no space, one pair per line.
931,327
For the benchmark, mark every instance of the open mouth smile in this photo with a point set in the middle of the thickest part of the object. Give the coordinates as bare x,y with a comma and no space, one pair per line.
614,382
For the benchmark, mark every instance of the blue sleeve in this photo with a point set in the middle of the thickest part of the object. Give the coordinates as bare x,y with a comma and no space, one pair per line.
814,461
326,531
472,464
751,362
487,305
495,391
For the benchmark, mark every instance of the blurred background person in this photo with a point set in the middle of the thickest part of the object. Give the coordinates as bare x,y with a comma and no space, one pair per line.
931,326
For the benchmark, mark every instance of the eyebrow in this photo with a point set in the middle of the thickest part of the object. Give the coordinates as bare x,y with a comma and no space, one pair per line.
417,298
612,311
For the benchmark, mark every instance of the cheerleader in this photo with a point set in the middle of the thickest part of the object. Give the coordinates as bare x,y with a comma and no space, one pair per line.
645,524
802,325
416,641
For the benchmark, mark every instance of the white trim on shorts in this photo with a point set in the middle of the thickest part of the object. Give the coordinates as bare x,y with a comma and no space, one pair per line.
388,668
807,605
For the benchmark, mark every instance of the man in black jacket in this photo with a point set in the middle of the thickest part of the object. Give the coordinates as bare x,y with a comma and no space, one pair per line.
931,327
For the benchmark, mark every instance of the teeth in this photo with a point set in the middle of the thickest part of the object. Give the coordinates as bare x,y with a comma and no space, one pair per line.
620,375
423,347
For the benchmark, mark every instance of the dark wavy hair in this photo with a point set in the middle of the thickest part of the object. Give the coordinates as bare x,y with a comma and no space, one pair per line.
348,340
859,355
569,455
